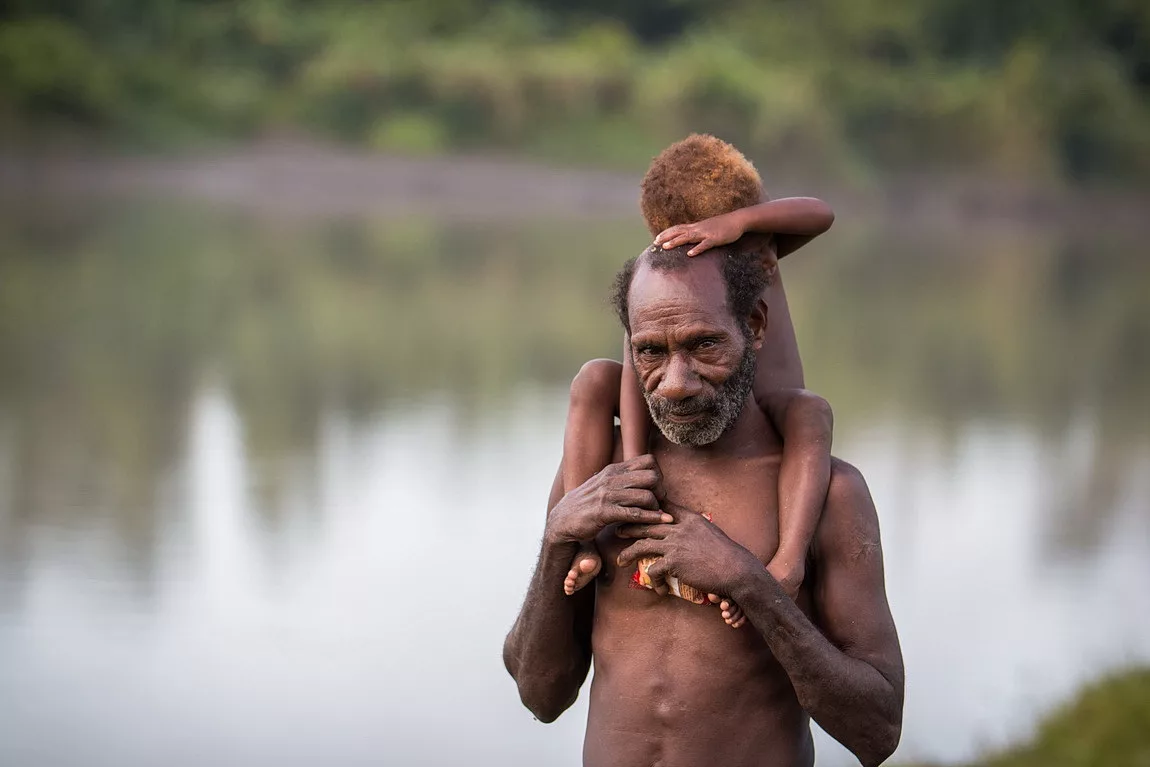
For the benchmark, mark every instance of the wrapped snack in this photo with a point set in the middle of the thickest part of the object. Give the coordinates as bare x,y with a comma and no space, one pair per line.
677,587
642,580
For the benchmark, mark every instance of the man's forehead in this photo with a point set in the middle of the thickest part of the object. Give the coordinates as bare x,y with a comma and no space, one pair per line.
699,277
696,286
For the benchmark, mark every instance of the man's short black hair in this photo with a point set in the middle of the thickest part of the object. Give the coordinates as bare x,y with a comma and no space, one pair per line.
743,274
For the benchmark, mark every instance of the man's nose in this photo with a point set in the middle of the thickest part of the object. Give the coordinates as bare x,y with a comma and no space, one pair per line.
679,380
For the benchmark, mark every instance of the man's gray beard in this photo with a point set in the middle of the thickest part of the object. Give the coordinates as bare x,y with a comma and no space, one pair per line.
721,409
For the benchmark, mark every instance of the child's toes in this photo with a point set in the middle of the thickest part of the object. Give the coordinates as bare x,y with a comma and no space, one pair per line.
569,581
584,572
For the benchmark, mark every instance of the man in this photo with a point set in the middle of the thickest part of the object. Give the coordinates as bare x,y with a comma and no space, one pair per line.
673,684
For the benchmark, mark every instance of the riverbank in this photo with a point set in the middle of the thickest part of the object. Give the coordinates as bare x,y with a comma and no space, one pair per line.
302,178
1107,723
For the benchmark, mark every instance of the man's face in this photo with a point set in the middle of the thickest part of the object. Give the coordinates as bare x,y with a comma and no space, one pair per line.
695,364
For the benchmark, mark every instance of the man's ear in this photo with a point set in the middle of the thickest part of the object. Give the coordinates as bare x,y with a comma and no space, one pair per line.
758,323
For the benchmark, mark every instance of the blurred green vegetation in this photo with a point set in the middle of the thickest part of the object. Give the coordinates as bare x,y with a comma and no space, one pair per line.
1050,91
1107,723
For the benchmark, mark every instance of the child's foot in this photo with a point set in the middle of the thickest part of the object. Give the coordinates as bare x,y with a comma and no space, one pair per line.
733,615
790,578
584,567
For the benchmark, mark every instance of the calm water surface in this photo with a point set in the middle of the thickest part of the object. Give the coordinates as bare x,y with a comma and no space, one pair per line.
270,491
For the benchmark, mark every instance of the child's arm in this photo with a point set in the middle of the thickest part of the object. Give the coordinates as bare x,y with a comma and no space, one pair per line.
806,422
794,221
634,418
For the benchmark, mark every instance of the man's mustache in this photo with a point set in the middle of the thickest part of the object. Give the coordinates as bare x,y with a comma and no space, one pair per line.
696,406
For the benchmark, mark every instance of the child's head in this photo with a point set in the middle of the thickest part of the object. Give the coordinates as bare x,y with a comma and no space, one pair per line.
697,178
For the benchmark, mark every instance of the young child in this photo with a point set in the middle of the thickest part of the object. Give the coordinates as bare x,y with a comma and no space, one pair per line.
702,190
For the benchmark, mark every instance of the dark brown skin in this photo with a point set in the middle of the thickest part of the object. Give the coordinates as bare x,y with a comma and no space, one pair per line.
776,229
673,685
601,391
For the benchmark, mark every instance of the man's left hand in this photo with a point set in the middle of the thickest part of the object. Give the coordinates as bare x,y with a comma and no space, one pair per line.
692,549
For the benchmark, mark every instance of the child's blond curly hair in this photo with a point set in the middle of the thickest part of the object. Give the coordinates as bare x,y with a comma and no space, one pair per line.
697,178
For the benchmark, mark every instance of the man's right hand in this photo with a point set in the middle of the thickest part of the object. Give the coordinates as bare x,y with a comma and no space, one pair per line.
621,493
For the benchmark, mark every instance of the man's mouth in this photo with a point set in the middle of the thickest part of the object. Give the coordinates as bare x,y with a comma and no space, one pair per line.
685,417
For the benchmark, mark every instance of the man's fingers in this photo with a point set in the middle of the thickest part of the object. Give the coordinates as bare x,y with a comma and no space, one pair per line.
671,508
638,463
643,531
632,515
647,547
623,468
631,496
643,479
658,572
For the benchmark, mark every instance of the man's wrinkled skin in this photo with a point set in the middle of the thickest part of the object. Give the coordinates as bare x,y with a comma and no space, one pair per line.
673,684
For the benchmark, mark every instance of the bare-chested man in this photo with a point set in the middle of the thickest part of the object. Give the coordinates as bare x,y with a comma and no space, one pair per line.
673,685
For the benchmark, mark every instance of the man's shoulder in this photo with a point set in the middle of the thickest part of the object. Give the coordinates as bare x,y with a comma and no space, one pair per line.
847,483
849,519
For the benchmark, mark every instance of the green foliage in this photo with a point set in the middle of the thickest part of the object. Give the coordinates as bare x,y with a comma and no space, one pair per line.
1108,723
1027,89
409,133
49,66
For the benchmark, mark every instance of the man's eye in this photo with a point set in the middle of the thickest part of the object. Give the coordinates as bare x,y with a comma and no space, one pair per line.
707,343
648,351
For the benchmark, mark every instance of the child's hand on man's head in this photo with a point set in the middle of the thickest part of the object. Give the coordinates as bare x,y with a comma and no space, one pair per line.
709,233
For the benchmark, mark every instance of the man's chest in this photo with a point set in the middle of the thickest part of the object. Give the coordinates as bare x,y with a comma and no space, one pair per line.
740,496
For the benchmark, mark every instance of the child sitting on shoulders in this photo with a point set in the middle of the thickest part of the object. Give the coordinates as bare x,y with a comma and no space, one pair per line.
702,190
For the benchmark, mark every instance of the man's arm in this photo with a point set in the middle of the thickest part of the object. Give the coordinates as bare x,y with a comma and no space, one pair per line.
548,651
849,676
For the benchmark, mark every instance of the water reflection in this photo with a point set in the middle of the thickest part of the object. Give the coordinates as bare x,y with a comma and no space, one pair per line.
248,467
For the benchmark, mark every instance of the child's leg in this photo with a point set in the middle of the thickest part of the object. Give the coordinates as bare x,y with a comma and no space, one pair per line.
806,423
588,444
778,367
589,439
634,417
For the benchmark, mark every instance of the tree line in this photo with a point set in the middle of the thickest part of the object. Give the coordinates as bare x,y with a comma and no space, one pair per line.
1050,91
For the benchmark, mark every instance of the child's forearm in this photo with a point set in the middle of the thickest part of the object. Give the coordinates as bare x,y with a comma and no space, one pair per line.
790,215
794,221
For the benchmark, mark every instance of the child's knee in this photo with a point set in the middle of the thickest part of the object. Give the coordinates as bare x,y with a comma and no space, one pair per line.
597,383
811,412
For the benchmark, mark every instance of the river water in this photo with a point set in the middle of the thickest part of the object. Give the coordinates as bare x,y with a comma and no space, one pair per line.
271,489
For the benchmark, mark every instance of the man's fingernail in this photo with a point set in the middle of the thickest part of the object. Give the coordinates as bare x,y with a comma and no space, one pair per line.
667,518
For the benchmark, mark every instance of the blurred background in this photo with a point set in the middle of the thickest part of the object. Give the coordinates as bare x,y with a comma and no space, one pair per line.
291,293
